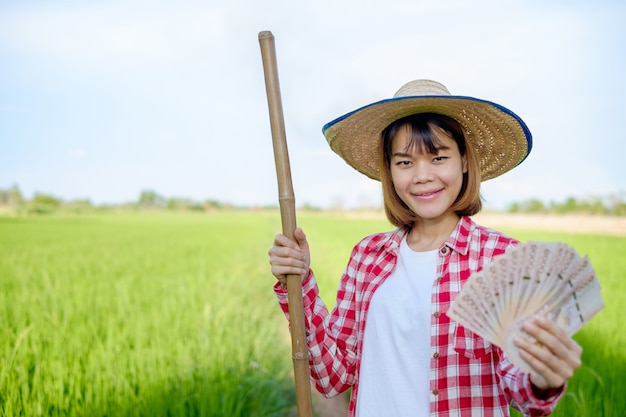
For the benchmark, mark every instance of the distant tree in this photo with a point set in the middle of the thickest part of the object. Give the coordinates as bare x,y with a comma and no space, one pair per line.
4,198
212,205
46,199
530,206
150,199
79,206
610,205
11,197
15,196
183,204
535,206
570,205
173,204
514,208
618,209
43,204
308,207
596,207
616,204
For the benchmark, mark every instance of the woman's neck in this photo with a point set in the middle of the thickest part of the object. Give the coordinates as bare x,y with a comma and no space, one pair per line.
431,234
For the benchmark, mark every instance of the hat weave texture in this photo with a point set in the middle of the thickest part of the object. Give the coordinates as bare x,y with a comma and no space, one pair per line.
500,139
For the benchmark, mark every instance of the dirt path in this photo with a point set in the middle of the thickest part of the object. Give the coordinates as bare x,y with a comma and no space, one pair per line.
567,223
612,225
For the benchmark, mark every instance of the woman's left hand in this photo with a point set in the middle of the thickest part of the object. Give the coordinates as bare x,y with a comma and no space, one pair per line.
554,356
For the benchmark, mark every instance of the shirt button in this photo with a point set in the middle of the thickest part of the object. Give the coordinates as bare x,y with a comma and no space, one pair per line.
444,250
438,279
437,314
435,392
436,355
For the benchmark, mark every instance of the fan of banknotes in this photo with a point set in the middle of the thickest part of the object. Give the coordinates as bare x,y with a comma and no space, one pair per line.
533,278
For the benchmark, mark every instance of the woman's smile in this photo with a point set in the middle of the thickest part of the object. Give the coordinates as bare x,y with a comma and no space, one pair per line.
428,195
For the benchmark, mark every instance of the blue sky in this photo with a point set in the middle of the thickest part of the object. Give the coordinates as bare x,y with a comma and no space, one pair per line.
100,100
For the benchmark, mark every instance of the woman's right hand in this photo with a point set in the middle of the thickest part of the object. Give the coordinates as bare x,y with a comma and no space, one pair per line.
290,258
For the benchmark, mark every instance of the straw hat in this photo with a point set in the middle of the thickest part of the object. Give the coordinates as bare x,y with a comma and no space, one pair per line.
501,139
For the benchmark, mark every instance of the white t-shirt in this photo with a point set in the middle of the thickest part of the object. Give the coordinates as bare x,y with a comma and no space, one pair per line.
395,363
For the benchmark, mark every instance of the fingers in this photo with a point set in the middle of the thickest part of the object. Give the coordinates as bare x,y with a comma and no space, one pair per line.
288,257
283,241
300,236
554,355
287,261
300,240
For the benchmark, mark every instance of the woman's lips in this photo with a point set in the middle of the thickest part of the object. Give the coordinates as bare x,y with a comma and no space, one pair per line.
427,195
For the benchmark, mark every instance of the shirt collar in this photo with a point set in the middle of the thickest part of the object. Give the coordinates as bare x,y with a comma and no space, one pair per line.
458,240
393,239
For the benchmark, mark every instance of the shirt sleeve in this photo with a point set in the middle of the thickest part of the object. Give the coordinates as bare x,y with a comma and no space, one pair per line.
331,337
519,392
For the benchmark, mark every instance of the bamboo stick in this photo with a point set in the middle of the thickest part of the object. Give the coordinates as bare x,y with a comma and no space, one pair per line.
286,200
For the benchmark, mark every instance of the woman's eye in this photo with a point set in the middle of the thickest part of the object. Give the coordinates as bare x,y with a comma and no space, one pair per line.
440,158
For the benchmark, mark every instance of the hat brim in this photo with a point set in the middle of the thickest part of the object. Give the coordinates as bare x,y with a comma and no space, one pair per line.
501,139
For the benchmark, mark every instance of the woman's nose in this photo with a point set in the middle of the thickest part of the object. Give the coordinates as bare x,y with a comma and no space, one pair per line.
422,173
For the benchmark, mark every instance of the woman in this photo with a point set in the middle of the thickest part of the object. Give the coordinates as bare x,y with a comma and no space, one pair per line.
388,337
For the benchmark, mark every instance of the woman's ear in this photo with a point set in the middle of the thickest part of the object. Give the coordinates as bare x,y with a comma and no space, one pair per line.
464,159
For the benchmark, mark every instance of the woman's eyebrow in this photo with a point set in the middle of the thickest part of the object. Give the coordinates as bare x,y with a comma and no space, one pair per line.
407,153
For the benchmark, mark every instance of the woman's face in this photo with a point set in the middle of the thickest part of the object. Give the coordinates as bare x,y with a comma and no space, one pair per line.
428,183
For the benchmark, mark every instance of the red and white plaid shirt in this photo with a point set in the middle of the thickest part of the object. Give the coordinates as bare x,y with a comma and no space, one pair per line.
468,375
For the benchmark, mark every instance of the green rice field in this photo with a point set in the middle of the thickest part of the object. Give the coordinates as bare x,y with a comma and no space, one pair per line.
172,314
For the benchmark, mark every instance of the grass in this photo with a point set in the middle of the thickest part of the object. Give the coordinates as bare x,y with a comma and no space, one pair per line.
173,314
138,316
